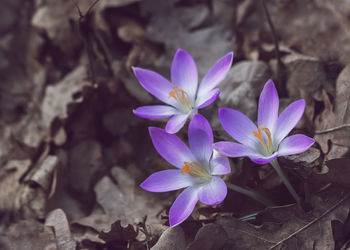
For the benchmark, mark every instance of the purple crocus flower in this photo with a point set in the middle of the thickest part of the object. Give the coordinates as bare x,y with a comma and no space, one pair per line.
264,143
183,96
196,169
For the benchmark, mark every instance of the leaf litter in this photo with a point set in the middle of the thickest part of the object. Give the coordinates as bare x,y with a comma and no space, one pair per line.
72,154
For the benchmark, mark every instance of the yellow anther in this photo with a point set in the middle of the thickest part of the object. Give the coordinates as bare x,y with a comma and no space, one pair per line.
258,135
194,169
268,133
180,96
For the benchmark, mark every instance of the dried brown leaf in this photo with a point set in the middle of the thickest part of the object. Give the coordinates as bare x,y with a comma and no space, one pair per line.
28,234
334,123
338,173
118,236
58,220
209,237
123,201
10,176
59,95
173,239
289,227
242,85
43,173
305,31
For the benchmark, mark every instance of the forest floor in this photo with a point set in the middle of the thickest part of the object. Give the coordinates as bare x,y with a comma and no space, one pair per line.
73,154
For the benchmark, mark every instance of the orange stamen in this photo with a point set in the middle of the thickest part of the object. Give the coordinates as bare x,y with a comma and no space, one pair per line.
180,96
258,135
268,133
185,169
194,169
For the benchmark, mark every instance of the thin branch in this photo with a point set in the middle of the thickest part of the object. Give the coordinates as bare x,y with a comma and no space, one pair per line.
274,37
312,222
332,129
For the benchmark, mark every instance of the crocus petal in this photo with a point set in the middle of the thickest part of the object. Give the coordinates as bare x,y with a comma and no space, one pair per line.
200,138
155,111
184,72
207,99
216,74
239,126
288,120
260,159
170,147
155,84
268,106
295,144
220,165
232,149
175,123
183,205
167,180
214,192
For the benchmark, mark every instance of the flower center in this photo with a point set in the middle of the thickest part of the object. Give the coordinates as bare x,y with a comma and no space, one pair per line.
258,134
181,97
194,169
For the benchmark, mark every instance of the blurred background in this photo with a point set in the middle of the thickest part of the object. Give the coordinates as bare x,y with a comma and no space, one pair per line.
72,154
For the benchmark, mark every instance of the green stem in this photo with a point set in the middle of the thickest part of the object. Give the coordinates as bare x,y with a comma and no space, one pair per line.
249,216
285,180
252,194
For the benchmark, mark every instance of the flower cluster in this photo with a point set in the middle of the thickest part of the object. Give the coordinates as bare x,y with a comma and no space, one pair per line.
197,167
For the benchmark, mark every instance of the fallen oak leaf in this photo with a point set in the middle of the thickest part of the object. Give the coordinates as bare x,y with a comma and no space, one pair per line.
122,201
289,227
334,123
118,236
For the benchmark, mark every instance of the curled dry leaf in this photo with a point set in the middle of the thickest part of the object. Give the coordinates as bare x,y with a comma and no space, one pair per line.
43,172
35,188
58,221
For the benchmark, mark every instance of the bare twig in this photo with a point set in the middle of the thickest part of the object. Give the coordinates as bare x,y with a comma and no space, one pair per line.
332,129
85,40
275,40
312,222
88,11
